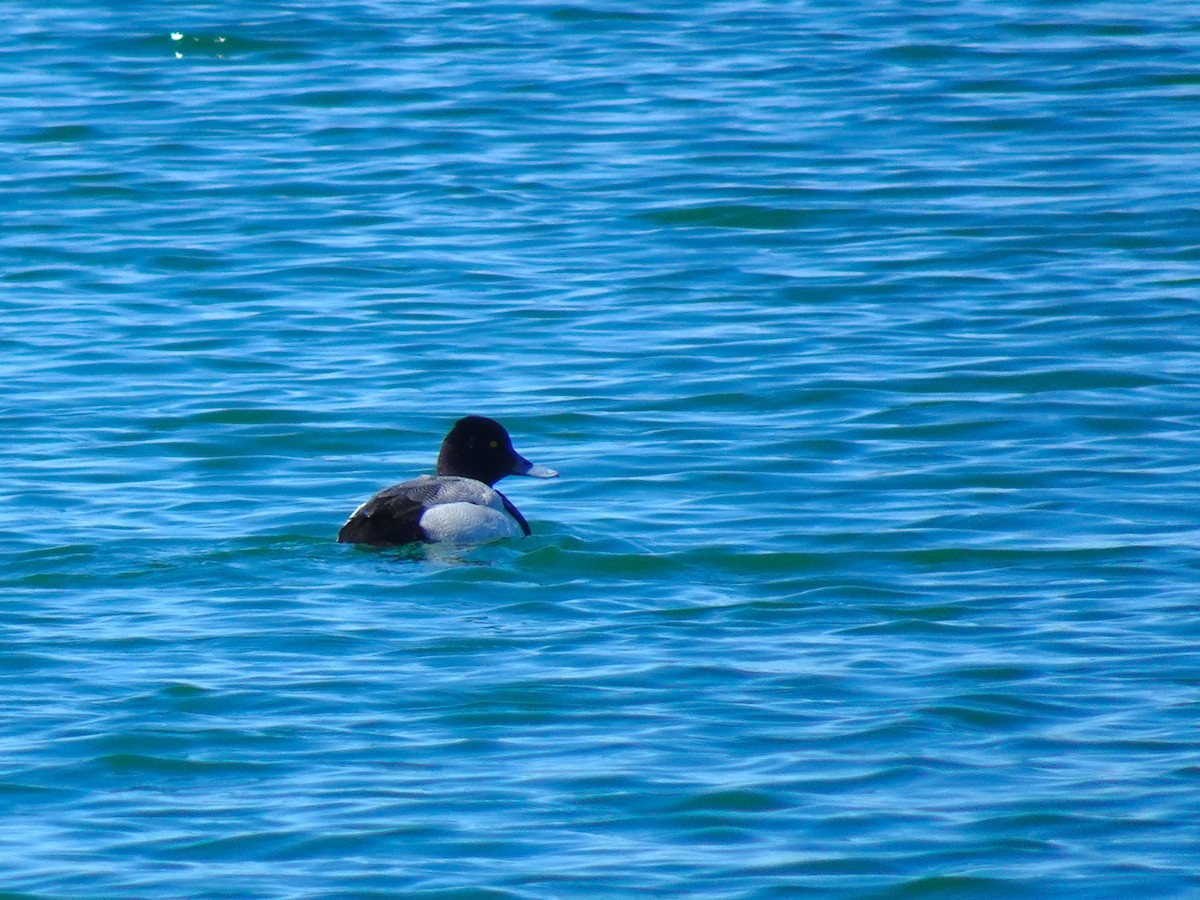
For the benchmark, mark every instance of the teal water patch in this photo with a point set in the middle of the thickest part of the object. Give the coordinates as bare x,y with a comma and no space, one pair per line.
738,216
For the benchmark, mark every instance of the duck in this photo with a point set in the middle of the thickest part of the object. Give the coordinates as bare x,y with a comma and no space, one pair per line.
458,504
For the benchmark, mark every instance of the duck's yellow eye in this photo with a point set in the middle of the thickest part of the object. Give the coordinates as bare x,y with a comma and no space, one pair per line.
495,445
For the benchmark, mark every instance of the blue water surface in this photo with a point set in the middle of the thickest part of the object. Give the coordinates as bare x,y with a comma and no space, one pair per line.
866,338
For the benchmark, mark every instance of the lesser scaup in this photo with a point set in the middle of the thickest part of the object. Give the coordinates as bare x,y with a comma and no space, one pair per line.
458,504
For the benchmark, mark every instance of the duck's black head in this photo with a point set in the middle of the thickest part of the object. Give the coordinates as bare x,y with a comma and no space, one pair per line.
478,447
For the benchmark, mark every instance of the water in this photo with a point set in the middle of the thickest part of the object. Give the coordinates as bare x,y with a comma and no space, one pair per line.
865,338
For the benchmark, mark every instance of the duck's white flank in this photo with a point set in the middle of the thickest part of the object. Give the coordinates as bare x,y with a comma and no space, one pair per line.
468,523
